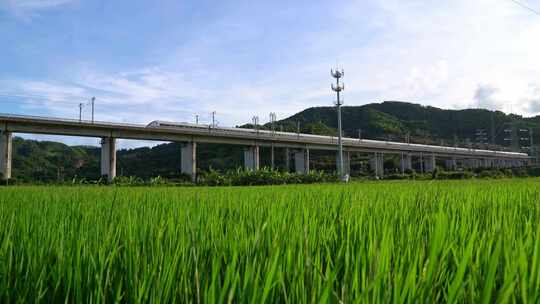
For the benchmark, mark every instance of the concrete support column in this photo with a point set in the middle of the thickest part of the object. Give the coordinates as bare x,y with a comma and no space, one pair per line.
251,158
429,163
301,161
469,163
287,160
405,162
450,164
108,158
477,163
272,158
6,150
189,160
346,162
377,164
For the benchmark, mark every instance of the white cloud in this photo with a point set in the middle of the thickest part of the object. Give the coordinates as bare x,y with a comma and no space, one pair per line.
26,9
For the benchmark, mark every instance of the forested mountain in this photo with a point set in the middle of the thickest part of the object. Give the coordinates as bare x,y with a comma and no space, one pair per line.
392,120
46,161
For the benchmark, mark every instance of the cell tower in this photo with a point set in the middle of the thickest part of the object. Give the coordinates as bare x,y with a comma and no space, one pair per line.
338,88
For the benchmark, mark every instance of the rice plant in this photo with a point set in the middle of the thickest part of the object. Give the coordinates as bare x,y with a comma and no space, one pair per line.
398,242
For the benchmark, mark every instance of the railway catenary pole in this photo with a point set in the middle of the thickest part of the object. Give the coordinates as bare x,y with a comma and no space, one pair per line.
272,122
338,88
92,101
81,105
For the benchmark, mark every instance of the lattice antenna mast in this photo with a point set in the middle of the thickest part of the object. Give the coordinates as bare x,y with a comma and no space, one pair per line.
338,88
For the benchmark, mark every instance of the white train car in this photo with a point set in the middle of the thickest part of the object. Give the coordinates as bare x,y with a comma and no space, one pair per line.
311,138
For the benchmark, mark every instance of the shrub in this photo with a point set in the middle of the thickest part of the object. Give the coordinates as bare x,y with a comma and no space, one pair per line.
397,176
128,181
455,175
264,176
491,174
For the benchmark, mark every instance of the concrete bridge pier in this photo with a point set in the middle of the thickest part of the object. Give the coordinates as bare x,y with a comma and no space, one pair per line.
251,158
301,161
287,160
405,162
346,162
189,160
451,164
6,147
377,164
469,163
108,158
429,163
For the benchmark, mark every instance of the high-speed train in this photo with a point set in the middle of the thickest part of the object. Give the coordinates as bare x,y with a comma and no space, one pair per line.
321,139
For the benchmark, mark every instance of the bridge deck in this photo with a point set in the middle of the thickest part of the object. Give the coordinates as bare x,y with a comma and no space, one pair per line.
249,137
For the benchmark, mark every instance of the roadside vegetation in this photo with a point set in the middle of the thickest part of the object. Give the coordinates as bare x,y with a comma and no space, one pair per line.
266,176
376,242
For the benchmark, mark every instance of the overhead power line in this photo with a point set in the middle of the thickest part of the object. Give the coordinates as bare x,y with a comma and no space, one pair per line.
526,7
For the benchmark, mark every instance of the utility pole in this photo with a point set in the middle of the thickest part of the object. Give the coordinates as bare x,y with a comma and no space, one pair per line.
298,128
360,134
81,105
272,124
213,119
196,119
338,88
92,103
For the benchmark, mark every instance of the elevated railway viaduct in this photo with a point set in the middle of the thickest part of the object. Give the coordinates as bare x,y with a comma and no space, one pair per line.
296,145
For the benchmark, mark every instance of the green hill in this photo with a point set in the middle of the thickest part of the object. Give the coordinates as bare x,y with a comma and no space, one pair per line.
392,120
50,161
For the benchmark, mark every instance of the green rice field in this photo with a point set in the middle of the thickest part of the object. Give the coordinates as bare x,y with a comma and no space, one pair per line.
373,242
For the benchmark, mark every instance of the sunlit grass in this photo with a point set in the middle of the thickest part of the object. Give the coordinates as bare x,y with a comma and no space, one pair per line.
401,242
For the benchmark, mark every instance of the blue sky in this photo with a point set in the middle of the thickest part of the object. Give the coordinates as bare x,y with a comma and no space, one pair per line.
146,60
